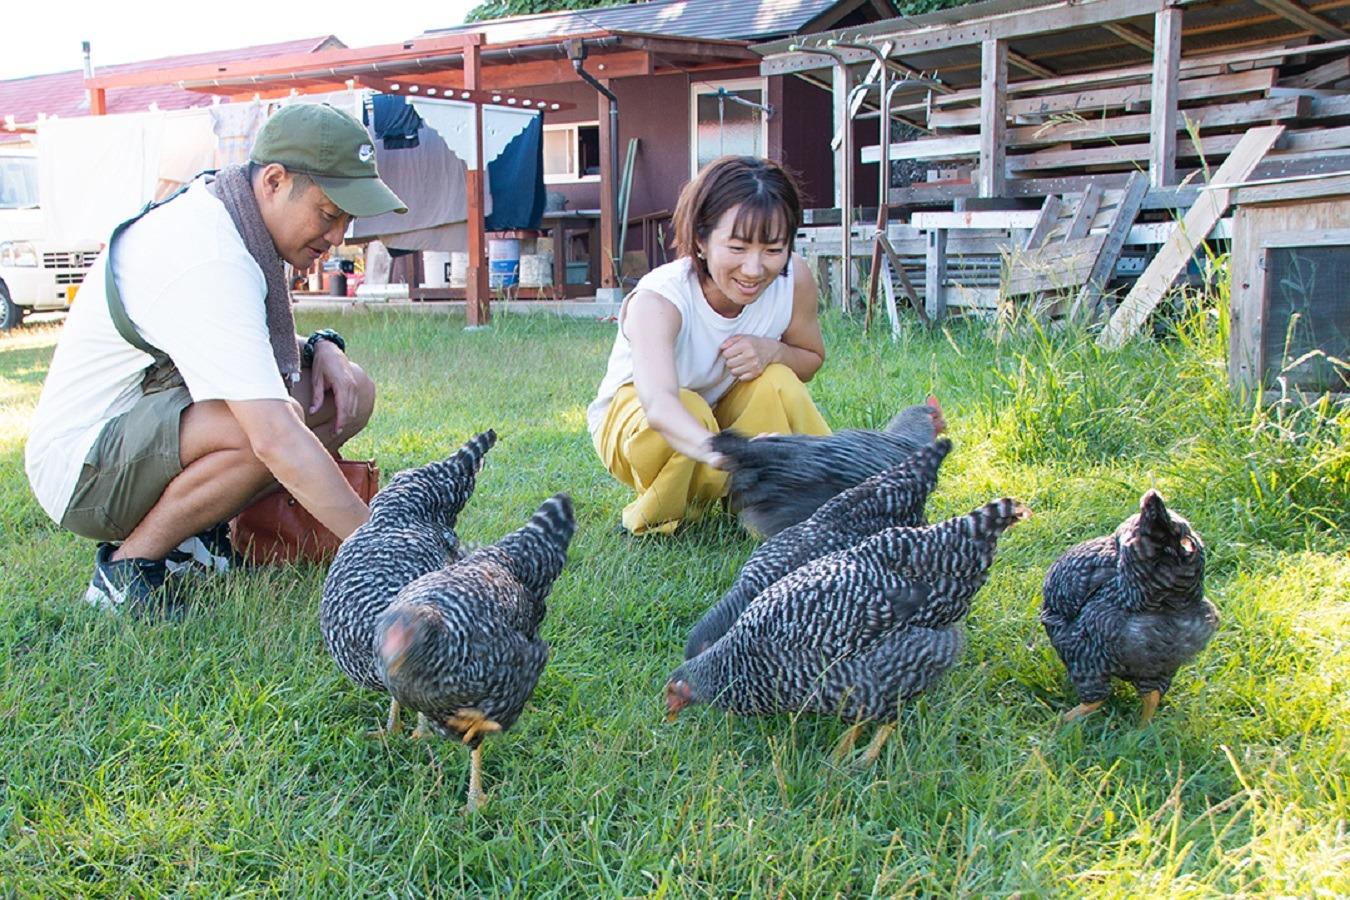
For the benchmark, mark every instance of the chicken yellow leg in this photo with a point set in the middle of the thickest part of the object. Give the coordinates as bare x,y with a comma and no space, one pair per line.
1151,701
393,725
879,740
470,723
422,731
1083,709
476,796
845,745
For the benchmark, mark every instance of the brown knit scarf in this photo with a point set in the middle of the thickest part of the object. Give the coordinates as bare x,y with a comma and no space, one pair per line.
233,188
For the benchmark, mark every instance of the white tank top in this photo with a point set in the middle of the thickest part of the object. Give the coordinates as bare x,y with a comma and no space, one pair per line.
699,366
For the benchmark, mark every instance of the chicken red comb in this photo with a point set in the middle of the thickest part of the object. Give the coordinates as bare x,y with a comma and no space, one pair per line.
939,423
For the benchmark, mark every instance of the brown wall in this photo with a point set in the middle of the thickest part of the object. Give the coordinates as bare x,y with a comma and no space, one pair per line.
804,134
804,111
655,110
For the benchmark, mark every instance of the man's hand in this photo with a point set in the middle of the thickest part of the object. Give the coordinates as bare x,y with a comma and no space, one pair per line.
332,371
748,356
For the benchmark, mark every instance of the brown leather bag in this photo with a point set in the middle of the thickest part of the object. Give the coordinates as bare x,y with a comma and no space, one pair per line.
277,529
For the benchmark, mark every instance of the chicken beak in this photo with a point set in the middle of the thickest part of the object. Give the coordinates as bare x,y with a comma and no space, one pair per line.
677,698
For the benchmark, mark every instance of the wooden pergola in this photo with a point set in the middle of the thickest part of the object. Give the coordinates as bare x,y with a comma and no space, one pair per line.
463,67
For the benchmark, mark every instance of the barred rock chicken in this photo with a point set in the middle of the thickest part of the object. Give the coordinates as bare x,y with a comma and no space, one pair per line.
1129,605
854,632
779,480
410,533
461,645
894,497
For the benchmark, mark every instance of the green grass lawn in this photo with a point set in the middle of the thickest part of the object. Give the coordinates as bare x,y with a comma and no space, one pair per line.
225,755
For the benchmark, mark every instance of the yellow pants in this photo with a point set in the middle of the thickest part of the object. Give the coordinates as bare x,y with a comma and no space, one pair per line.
668,482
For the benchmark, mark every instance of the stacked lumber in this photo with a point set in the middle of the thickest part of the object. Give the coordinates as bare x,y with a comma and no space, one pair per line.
1098,123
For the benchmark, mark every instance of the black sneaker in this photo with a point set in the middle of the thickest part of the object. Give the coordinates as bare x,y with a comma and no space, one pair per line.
209,551
134,585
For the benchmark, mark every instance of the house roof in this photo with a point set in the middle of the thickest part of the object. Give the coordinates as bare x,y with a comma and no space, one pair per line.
747,20
63,93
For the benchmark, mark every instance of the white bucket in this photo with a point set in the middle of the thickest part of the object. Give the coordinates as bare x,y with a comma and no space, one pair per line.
536,269
503,262
436,266
459,269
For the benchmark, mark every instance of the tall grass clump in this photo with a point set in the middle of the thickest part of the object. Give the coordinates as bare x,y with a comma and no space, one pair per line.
1278,469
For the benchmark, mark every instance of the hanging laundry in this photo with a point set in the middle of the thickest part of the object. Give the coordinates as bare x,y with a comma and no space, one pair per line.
236,125
442,238
96,171
430,178
453,121
392,120
187,145
517,177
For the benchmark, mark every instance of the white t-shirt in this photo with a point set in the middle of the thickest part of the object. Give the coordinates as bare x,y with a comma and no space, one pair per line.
699,366
193,291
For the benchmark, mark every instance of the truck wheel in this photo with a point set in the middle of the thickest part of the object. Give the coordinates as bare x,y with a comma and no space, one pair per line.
11,315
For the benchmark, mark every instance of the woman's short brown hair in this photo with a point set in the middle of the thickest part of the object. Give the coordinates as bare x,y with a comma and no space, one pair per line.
770,206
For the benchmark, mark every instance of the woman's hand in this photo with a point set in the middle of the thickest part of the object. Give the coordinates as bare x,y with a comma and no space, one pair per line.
748,356
712,458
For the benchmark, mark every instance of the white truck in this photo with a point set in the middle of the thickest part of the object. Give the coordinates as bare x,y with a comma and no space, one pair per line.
35,273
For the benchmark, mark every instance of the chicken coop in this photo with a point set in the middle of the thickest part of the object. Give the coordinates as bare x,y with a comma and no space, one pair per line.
1289,305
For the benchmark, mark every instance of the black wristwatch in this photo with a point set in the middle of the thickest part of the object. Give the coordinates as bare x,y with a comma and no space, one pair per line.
323,334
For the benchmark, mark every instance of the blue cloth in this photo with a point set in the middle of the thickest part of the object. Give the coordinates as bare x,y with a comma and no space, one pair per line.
516,178
396,122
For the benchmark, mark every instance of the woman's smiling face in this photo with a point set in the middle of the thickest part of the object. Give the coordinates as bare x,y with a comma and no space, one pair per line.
743,258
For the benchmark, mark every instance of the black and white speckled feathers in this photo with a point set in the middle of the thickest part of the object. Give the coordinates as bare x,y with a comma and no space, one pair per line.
1130,604
467,635
894,497
410,533
856,631
781,480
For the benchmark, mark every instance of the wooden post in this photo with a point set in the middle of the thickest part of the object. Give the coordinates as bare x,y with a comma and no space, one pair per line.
1162,156
843,183
774,98
98,102
609,276
476,307
935,275
993,116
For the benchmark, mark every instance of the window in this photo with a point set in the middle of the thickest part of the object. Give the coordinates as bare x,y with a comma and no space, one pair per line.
572,152
18,182
720,124
1306,335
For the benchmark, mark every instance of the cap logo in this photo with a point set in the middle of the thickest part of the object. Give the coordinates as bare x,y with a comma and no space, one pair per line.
365,153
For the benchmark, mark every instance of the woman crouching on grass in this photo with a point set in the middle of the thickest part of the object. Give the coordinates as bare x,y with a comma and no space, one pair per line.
723,337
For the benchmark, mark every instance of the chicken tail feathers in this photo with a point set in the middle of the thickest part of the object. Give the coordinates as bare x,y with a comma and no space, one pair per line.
437,491
538,551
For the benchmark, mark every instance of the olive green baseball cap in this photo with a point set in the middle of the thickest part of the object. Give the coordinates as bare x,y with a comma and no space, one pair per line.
334,149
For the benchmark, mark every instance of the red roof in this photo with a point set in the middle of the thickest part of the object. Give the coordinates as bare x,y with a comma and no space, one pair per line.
63,93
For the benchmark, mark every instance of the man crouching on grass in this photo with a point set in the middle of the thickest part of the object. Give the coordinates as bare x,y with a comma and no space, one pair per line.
179,390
